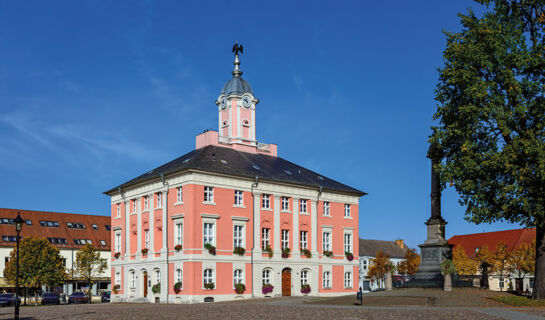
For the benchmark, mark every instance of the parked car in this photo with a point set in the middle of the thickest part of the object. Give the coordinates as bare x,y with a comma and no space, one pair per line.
50,298
105,297
78,297
7,299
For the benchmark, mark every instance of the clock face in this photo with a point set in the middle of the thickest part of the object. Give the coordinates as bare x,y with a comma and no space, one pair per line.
246,102
223,103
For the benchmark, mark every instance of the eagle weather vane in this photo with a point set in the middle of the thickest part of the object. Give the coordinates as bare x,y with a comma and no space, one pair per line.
237,48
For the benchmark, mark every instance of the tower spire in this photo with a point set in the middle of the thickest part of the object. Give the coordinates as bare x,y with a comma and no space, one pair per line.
236,49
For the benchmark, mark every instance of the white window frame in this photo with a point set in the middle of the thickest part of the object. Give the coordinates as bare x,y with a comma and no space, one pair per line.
146,239
178,276
326,280
238,237
303,240
117,242
134,206
305,277
303,206
132,279
146,202
178,232
239,198
157,276
266,276
208,277
347,210
118,278
348,279
327,209
179,195
265,238
159,200
208,194
118,210
326,240
348,242
238,276
285,204
285,238
209,238
266,201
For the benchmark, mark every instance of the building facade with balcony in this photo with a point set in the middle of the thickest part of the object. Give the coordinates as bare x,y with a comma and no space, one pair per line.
231,213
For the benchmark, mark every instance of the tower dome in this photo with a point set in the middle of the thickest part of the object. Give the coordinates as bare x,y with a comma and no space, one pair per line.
237,85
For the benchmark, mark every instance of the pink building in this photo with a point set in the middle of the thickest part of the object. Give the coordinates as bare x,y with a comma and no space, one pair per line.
232,212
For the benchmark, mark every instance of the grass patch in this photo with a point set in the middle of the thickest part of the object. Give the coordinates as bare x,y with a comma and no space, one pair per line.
518,301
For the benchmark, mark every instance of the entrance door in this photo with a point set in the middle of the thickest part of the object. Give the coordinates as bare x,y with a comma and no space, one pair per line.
145,284
286,282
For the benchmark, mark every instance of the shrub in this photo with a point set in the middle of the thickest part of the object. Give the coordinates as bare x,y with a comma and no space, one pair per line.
209,286
328,254
240,288
286,252
307,253
267,288
177,287
145,251
305,289
240,251
211,249
269,251
178,247
349,256
156,288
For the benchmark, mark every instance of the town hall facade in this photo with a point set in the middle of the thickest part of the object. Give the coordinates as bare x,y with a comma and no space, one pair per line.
233,216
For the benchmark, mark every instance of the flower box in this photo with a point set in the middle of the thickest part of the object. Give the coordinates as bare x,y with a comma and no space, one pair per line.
328,254
240,251
240,288
305,289
269,251
145,251
349,256
178,247
306,252
117,254
156,288
209,286
177,287
286,253
211,249
267,288
116,288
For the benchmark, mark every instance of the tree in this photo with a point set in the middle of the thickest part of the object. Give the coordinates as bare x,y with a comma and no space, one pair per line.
522,260
484,259
500,259
491,118
40,263
462,263
89,264
410,264
378,266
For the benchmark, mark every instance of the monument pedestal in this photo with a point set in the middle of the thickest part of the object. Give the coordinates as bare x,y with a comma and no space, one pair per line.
434,250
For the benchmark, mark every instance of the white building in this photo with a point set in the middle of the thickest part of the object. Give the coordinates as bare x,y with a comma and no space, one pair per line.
368,250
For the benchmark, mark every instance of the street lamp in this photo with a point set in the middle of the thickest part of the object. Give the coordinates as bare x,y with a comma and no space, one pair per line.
18,226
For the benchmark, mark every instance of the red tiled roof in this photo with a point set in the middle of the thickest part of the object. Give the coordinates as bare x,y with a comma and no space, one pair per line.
512,238
62,231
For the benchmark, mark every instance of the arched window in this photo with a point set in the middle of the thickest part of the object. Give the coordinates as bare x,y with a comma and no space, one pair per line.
304,277
178,276
157,276
266,276
326,281
208,276
348,280
237,276
132,279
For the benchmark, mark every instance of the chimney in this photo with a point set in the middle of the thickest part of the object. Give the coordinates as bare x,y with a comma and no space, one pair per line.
399,242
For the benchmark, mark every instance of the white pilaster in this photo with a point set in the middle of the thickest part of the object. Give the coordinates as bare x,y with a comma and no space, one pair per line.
295,235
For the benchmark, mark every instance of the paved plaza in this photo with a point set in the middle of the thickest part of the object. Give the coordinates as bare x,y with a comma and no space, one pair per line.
398,304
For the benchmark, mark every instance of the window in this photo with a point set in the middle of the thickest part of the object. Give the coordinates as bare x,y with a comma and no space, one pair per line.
238,236
238,198
134,206
178,277
348,280
237,277
146,203
208,276
326,209
303,240
117,242
75,225
159,200
364,264
57,240
179,233
102,242
95,227
132,279
326,241
108,227
157,276
179,195
146,239
266,201
326,281
285,204
303,206
209,234
9,238
304,277
208,194
285,239
118,278
347,210
119,210
265,238
266,276
347,242
51,224
82,242
28,222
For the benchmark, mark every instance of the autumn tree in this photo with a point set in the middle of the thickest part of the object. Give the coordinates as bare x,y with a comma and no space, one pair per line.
89,264
522,260
40,263
410,264
500,260
463,264
491,117
379,266
485,260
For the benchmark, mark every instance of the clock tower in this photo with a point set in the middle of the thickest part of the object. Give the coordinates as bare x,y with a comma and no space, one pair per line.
236,108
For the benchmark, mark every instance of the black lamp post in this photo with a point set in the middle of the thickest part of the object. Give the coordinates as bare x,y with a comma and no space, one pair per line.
18,226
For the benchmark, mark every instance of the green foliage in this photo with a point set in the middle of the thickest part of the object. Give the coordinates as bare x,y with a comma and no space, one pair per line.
156,288
269,251
307,253
240,288
40,263
447,267
209,286
239,250
518,301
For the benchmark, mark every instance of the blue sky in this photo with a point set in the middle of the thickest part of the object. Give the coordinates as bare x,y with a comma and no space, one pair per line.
95,93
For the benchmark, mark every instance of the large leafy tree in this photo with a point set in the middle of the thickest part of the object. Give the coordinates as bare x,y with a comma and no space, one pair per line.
89,265
40,263
491,117
409,265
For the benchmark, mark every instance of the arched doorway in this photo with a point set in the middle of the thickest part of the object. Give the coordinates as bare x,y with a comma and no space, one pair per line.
286,282
144,284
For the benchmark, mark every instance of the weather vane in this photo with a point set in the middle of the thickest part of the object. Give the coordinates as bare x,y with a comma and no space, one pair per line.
237,48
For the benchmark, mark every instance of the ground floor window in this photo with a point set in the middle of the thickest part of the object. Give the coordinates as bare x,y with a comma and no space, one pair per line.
348,280
326,281
237,277
266,276
208,276
304,277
